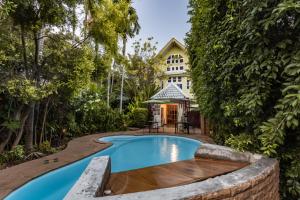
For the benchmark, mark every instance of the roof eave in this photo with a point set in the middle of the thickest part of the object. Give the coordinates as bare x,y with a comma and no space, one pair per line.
165,48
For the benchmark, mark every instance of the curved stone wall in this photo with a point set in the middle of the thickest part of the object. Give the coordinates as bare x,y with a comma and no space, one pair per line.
258,181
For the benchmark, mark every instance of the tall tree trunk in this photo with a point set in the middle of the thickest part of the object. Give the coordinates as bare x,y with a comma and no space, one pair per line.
74,25
122,86
112,82
87,14
108,83
5,142
36,121
21,130
108,89
44,121
39,52
16,117
123,73
41,40
23,40
29,128
30,124
38,37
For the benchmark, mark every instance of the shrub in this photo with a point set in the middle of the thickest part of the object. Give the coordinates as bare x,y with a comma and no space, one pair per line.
138,117
240,142
16,154
46,148
92,115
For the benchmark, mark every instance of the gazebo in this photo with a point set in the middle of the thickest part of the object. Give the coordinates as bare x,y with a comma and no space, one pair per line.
169,106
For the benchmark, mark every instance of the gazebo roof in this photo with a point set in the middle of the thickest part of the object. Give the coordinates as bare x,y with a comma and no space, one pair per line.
171,92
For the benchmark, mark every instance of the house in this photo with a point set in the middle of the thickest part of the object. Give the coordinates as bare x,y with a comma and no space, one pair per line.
174,103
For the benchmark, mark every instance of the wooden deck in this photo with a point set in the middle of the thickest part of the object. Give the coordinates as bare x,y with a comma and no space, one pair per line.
169,175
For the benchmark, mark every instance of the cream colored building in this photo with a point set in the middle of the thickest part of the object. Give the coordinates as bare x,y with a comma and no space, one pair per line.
175,66
172,105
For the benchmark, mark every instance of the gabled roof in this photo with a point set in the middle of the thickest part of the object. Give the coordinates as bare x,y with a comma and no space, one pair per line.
170,44
172,92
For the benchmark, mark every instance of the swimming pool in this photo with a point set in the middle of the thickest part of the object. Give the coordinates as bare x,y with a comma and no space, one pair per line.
127,153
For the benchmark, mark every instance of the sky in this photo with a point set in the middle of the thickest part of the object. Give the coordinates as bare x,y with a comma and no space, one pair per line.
161,19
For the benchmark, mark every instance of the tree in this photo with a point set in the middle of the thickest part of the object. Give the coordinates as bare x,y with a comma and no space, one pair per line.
32,16
119,19
143,71
129,26
245,67
42,70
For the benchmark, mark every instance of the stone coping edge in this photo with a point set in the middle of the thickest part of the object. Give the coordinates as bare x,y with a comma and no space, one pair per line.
225,153
228,185
92,181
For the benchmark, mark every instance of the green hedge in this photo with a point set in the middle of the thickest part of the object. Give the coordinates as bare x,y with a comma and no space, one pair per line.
138,117
245,64
90,115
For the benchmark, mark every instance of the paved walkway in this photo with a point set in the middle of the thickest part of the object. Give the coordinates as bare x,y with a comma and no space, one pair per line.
169,175
14,177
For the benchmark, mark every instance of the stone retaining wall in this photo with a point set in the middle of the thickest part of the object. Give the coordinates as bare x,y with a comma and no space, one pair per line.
258,181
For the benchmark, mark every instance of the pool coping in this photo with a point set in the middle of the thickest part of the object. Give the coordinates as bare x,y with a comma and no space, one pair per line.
77,149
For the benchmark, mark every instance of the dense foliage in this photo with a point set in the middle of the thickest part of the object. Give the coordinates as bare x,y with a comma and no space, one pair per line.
55,58
92,115
137,117
143,71
12,156
245,59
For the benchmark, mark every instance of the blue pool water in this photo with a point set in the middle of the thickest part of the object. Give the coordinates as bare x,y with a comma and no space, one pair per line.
127,153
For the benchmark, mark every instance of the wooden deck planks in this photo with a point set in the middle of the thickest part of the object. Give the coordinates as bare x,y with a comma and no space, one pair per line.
169,175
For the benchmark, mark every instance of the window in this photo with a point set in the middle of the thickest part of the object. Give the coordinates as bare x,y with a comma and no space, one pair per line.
174,79
180,86
176,68
175,59
169,80
172,68
188,84
179,78
168,68
181,67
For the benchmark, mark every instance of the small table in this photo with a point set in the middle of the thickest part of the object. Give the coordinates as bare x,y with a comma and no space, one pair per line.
186,125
